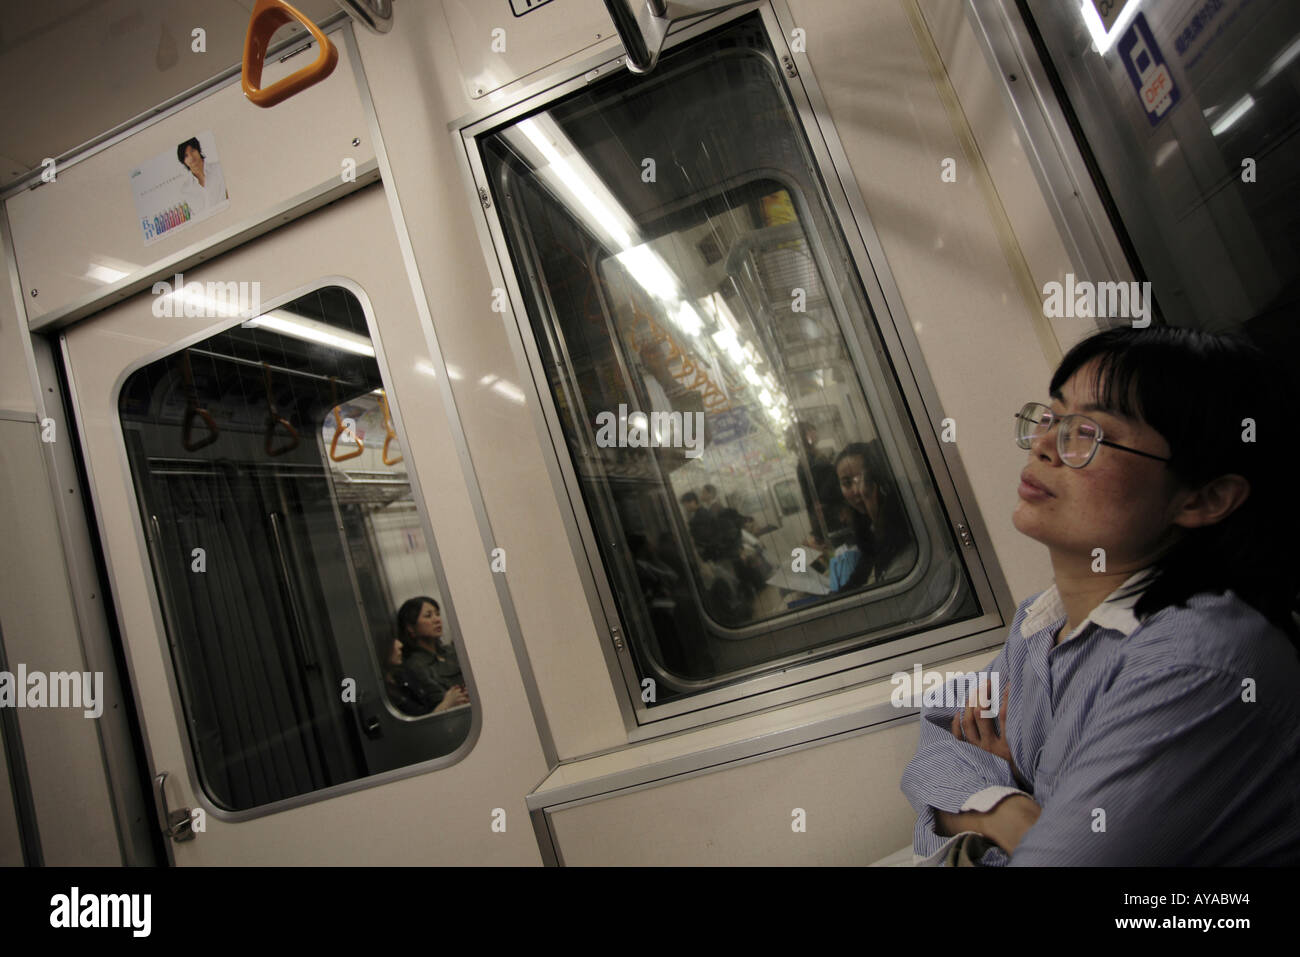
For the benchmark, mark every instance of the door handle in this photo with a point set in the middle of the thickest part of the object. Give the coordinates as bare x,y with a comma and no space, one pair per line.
175,824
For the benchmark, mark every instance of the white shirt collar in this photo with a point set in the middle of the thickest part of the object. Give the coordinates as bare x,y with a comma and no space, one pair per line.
1115,613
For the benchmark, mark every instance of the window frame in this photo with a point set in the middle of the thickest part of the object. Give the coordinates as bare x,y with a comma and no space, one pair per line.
901,352
158,599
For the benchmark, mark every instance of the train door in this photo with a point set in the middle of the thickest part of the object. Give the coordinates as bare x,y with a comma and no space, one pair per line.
275,466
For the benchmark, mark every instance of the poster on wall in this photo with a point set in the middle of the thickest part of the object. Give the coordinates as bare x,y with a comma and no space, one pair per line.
178,188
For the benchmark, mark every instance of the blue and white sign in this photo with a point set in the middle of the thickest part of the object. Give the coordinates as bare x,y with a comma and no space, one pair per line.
729,426
1147,69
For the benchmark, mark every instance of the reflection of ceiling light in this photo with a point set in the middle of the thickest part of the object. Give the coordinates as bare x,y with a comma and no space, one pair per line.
422,365
751,374
1102,39
578,183
726,340
509,391
651,272
1166,151
309,330
688,320
1233,114
104,274
1281,60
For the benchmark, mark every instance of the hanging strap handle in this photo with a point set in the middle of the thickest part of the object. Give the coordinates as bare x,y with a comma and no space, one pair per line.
274,419
268,16
192,409
338,430
389,432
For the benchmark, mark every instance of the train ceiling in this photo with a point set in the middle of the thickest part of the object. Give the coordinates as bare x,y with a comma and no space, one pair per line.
72,69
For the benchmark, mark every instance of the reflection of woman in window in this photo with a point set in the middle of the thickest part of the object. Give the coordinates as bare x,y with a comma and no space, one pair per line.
206,188
882,547
430,671
397,683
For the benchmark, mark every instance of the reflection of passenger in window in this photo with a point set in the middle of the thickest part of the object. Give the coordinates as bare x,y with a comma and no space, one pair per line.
881,547
429,677
397,683
818,483
732,561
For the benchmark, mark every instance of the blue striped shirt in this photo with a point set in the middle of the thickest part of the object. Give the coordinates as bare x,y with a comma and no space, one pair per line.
1175,741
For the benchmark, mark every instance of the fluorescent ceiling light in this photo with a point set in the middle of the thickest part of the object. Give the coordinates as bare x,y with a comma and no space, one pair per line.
309,330
1102,39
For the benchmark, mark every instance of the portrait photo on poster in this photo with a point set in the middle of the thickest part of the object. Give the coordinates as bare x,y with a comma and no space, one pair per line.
182,186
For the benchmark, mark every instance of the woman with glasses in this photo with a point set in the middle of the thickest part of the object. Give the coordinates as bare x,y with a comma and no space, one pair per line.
1147,711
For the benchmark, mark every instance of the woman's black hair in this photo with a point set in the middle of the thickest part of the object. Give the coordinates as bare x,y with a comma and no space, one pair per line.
886,538
192,141
409,614
1220,404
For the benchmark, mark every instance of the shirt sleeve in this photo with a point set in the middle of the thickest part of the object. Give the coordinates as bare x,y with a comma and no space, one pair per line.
949,774
1156,779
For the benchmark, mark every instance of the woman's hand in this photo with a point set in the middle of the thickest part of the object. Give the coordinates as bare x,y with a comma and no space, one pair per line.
1005,825
971,726
454,698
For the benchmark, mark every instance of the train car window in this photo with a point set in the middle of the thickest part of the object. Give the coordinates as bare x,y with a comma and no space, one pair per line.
1189,110
285,541
755,486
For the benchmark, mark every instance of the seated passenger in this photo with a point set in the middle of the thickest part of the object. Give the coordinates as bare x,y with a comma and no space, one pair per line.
1147,713
818,482
430,672
698,519
881,546
397,684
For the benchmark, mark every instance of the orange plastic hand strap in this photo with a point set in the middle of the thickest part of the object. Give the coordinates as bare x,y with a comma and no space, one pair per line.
268,16
390,432
339,430
193,409
273,419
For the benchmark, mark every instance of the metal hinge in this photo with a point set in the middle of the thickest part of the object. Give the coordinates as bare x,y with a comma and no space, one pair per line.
484,198
964,534
618,638
790,70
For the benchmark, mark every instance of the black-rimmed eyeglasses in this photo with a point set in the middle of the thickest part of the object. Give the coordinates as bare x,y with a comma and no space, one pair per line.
1077,439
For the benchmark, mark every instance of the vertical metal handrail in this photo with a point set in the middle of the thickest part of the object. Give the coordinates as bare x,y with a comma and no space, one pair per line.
290,586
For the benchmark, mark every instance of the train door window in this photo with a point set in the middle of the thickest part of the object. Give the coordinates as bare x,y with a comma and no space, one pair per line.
285,540
1189,109
756,490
